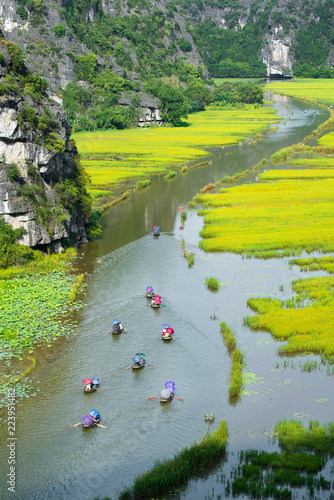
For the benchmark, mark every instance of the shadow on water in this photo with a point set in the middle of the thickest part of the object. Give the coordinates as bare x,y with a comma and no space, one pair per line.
55,460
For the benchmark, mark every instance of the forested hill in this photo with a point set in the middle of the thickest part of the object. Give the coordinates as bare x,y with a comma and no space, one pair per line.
103,57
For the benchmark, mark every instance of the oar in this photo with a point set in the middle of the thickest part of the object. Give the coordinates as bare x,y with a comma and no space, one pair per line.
148,365
123,331
178,399
128,367
101,390
75,425
79,387
155,397
103,427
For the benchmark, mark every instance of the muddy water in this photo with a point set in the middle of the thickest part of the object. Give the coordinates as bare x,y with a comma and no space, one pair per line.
57,461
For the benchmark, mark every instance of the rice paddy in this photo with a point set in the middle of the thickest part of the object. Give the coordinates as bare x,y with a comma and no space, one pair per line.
113,156
306,322
319,90
256,218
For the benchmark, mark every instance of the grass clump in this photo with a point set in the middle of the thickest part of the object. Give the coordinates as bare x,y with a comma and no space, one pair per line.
191,205
315,264
188,256
212,283
183,216
143,184
170,175
236,384
169,475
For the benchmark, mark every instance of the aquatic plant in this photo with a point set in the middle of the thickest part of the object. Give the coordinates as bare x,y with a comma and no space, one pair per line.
229,336
143,184
202,164
170,175
168,475
212,283
325,263
262,163
183,216
191,205
188,256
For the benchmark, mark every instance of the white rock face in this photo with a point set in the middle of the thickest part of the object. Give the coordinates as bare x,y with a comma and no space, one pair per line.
276,56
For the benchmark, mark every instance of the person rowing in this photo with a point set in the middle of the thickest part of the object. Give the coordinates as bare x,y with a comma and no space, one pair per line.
117,326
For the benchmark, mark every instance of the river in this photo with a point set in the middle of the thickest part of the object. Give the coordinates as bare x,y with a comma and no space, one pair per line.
57,461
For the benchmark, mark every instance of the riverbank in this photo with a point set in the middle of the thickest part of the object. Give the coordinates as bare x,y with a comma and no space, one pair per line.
34,301
121,157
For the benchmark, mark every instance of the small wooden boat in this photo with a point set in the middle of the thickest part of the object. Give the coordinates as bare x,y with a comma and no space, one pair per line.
155,305
166,337
85,426
156,234
166,400
116,329
150,295
137,366
87,390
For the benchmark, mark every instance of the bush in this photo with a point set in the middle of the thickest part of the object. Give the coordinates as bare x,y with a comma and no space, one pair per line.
14,173
55,143
59,31
184,45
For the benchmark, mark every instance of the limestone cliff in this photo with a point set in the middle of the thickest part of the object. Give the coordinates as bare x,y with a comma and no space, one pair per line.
40,186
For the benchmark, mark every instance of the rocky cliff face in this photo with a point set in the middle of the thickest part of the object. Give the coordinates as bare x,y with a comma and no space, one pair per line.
36,156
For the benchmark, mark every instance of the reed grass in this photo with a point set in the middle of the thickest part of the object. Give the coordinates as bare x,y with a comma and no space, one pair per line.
167,476
315,264
183,216
294,438
229,337
170,175
191,205
143,184
188,256
198,165
262,163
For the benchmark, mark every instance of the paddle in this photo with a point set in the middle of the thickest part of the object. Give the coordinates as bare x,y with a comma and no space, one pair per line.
103,427
99,389
178,399
148,365
79,387
75,425
123,331
128,367
84,387
155,397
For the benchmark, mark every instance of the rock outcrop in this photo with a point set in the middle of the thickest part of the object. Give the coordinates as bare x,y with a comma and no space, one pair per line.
36,156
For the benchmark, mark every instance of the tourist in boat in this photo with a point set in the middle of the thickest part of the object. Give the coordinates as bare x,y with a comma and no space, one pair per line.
117,326
156,230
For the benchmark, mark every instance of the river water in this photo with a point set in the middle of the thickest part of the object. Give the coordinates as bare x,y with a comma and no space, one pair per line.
57,461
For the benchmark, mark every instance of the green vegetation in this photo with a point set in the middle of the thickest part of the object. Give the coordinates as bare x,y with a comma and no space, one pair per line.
188,256
235,387
212,283
112,156
299,321
315,264
316,91
167,476
276,475
35,295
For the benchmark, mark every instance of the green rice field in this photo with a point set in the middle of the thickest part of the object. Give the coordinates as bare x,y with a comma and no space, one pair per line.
319,90
113,156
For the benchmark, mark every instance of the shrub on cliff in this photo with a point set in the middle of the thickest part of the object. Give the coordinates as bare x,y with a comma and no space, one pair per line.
11,253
